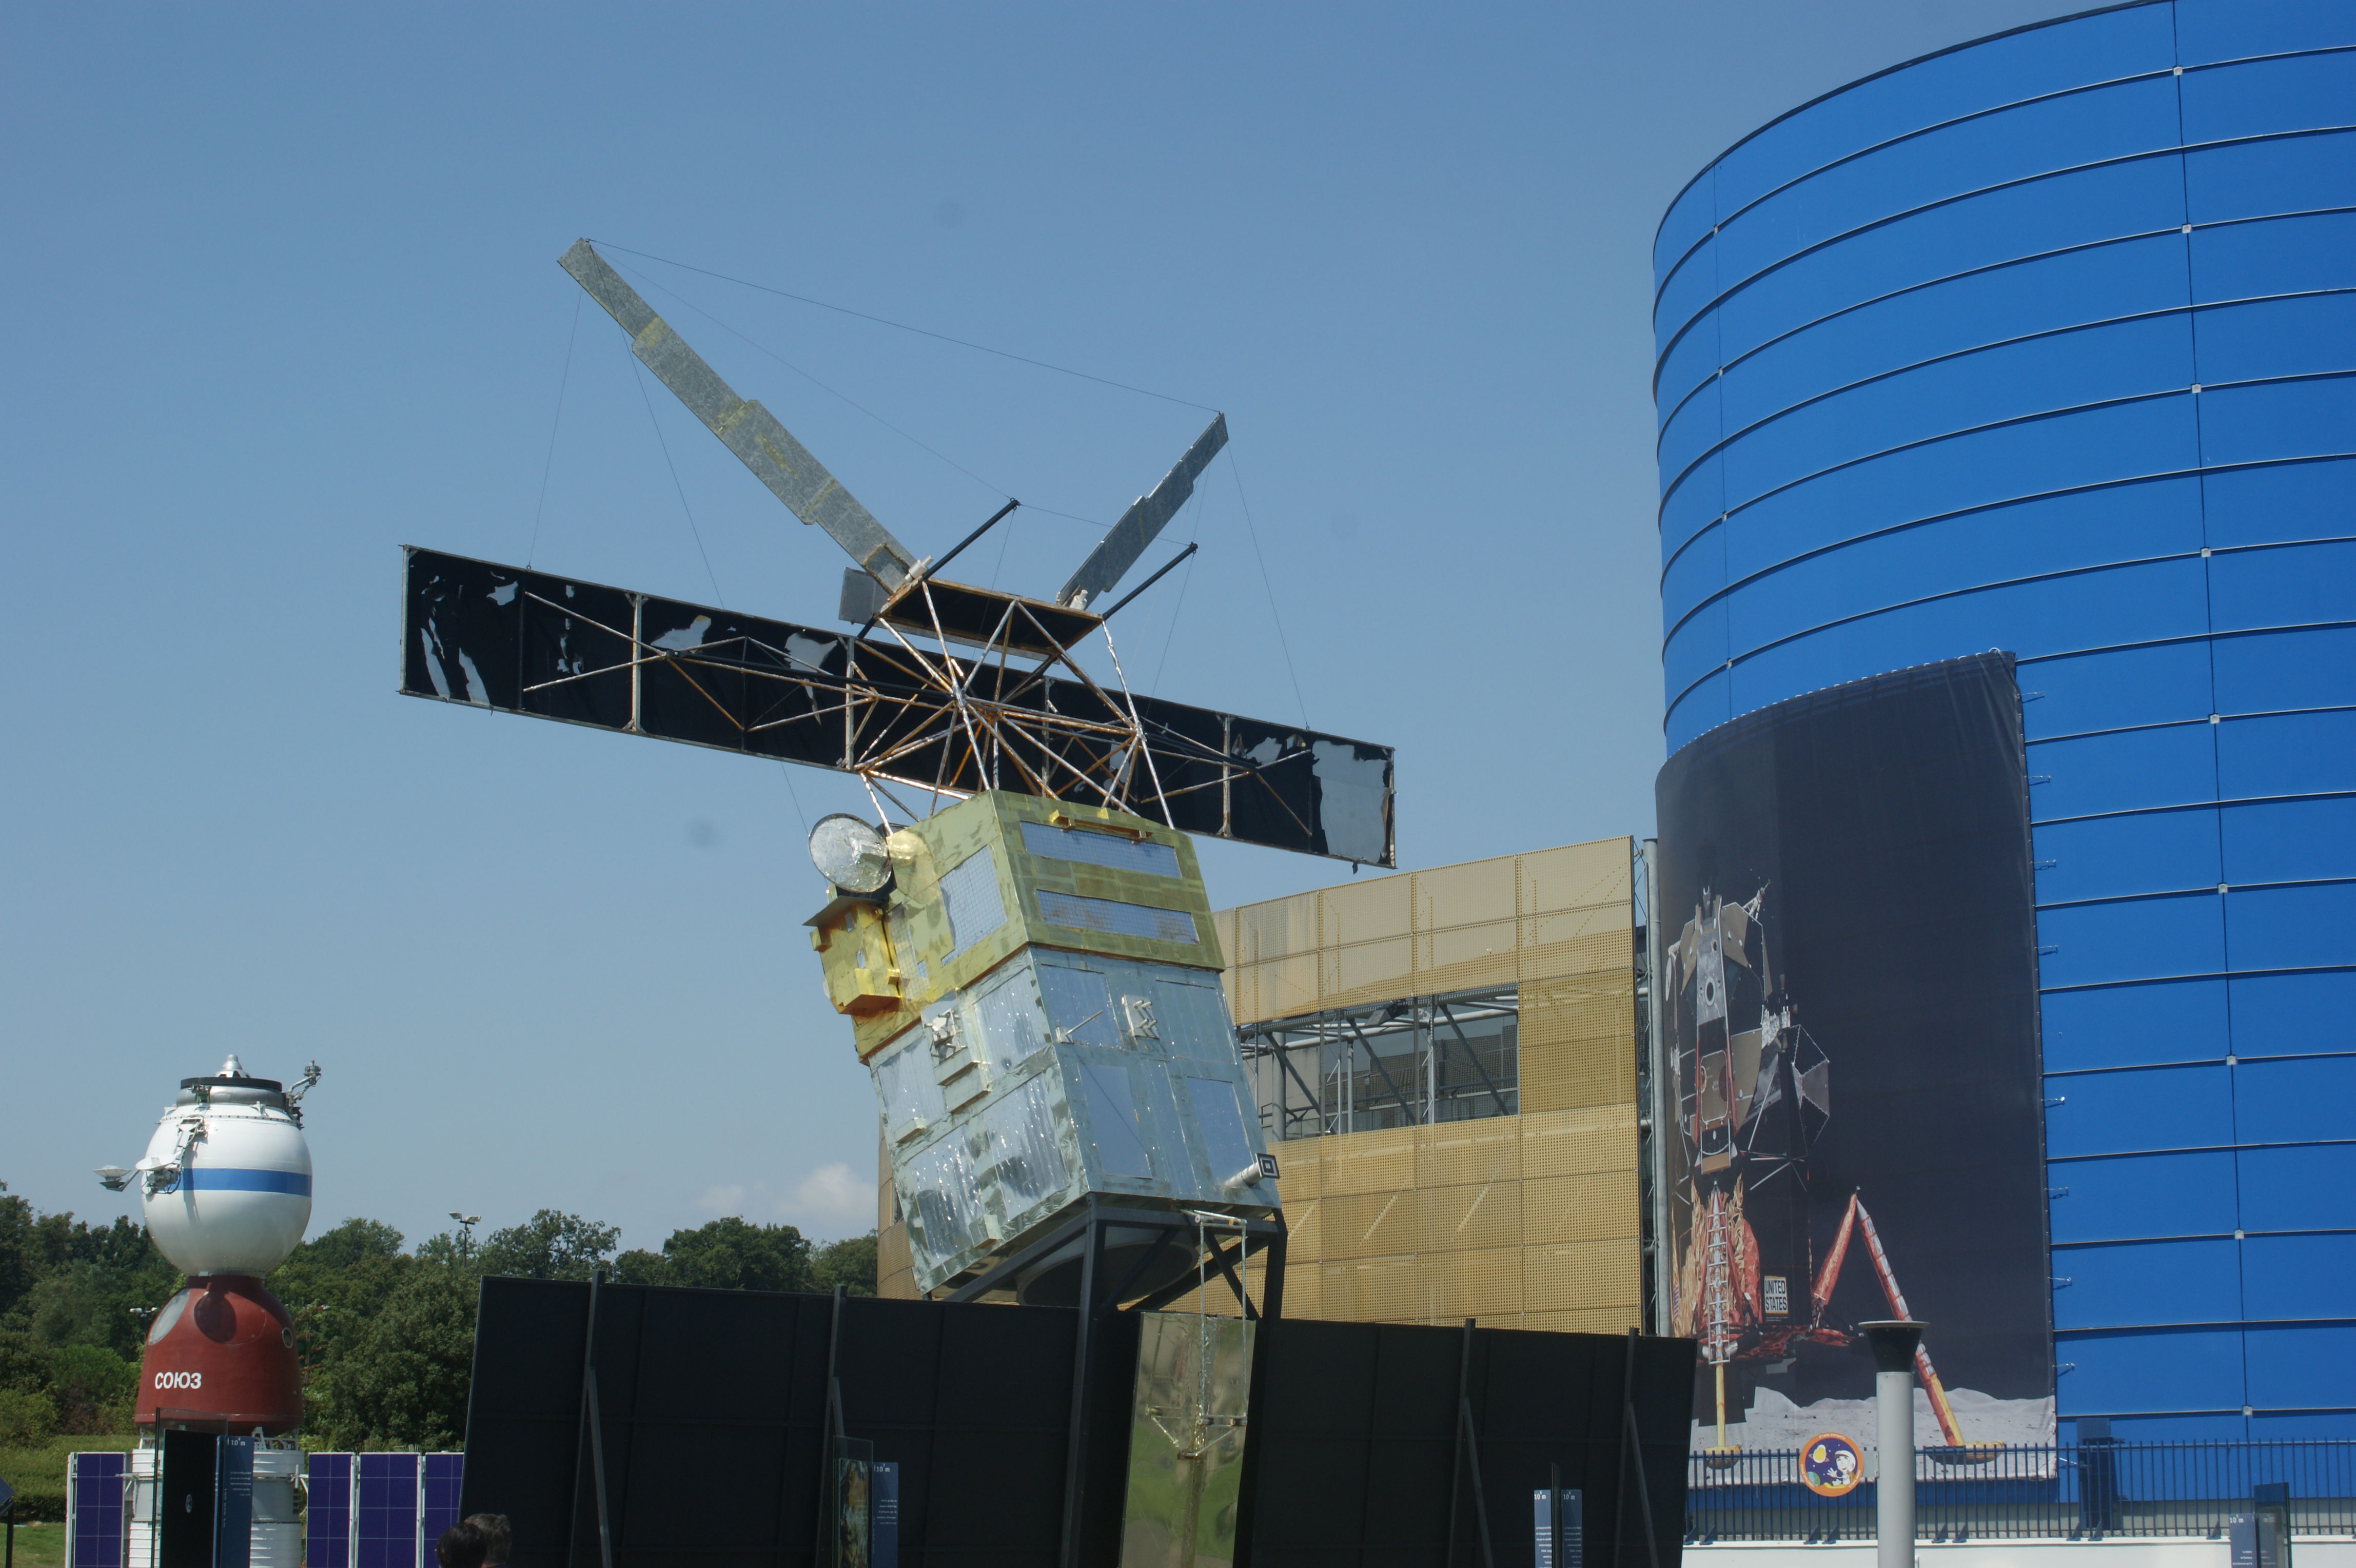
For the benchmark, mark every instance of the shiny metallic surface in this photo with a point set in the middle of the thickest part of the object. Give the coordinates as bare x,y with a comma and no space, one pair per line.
1137,527
2047,343
849,853
752,432
1186,1440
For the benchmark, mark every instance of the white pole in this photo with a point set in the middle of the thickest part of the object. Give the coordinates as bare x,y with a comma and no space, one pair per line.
1893,1344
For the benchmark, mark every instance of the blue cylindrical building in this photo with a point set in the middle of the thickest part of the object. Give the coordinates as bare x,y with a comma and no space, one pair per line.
2047,343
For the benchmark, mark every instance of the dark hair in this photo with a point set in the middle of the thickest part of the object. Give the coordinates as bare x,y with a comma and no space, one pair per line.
461,1546
496,1537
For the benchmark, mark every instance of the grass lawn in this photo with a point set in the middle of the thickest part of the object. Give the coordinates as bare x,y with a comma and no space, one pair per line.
40,1545
38,1472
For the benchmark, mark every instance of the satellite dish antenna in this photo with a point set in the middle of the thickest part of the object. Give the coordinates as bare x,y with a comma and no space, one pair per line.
849,853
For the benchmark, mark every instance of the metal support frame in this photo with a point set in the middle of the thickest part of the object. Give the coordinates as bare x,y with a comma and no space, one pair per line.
1269,1049
1467,1452
831,1432
1632,1459
590,1440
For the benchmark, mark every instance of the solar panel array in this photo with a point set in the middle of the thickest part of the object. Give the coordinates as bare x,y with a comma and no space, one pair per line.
328,1516
363,1511
438,1508
96,1485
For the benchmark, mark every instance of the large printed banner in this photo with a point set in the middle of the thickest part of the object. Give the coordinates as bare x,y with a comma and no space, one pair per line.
1849,1004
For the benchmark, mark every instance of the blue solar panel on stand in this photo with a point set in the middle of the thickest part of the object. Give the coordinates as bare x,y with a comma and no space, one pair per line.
95,1486
384,1510
327,1512
444,1472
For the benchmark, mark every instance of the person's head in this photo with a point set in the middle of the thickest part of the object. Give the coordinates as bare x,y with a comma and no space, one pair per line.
496,1536
461,1546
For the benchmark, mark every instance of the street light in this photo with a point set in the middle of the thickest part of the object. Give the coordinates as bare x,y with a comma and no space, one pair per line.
466,1223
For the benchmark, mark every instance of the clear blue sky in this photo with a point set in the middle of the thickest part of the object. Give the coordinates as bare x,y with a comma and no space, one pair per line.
282,296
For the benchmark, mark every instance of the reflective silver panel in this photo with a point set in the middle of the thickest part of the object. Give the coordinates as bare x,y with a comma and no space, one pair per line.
1112,1118
1078,1004
1025,1161
1042,1116
941,1217
904,1082
1186,1440
1193,1021
1221,1122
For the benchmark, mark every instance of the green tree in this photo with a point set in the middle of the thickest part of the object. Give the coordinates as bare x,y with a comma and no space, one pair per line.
27,1415
726,1254
850,1262
550,1245
335,1282
93,1389
401,1377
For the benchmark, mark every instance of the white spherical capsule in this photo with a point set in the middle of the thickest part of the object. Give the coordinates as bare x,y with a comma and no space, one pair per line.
242,1196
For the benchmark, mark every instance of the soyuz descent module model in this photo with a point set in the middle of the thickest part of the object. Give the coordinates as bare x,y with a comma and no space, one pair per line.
225,1188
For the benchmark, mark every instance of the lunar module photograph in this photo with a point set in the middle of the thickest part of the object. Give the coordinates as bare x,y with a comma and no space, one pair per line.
1753,1103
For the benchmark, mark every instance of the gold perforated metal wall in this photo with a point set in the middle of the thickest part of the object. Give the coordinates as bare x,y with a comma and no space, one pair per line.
1529,1220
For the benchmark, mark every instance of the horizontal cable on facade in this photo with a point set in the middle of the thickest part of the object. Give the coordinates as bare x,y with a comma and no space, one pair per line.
1710,169
1720,221
2199,975
1734,659
2237,1058
2025,259
2024,498
2196,1236
2120,161
2017,419
2211,890
2052,1159
2234,718
2180,806
1727,441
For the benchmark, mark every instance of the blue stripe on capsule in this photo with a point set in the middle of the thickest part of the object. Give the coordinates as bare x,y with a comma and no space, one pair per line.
215,1179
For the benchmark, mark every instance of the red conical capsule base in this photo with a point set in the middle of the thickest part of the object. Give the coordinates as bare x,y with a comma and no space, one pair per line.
225,1353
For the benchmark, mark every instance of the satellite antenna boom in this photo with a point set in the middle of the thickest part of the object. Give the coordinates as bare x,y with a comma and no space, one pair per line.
1127,540
745,428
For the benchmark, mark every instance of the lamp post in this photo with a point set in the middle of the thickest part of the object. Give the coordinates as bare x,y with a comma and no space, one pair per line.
1894,1343
466,1223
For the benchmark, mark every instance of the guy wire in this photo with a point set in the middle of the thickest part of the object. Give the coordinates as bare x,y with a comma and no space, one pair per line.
785,770
549,467
903,327
639,377
758,347
1275,615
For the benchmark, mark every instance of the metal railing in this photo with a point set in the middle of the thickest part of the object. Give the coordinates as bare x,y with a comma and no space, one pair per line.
2075,1491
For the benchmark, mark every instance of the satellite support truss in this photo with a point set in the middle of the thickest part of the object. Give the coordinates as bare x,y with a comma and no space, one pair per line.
968,689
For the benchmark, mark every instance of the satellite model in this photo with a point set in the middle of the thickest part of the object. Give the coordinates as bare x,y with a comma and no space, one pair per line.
1754,1093
225,1190
1035,987
1032,972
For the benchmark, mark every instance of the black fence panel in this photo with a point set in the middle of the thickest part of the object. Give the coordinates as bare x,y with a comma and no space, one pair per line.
711,1413
1358,1459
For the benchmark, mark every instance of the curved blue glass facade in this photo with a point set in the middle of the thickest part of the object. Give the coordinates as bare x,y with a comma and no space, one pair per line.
2047,343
